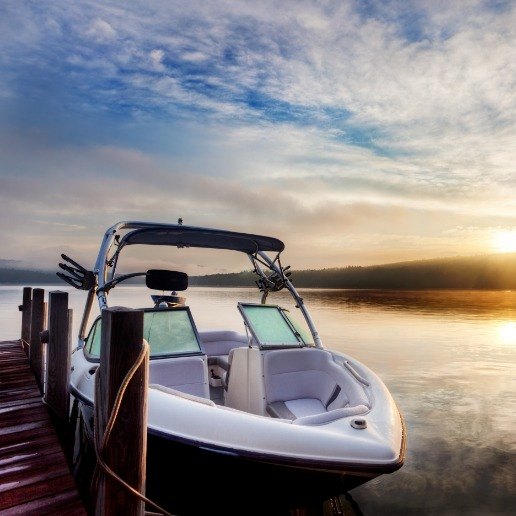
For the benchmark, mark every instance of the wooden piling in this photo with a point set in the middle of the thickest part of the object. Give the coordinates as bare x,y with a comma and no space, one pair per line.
57,376
126,450
25,308
37,326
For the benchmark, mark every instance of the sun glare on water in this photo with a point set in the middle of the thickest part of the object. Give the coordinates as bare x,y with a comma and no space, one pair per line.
505,241
508,332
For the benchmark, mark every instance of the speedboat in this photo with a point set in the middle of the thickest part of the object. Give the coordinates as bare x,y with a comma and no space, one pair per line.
267,410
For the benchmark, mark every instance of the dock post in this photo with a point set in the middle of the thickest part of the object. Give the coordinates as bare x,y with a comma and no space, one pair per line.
57,376
126,450
25,309
37,326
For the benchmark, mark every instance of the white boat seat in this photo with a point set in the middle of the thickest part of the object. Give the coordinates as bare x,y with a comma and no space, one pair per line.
217,344
220,342
303,383
225,376
221,361
293,409
185,374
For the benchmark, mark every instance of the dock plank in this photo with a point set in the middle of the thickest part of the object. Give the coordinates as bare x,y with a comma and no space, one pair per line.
34,475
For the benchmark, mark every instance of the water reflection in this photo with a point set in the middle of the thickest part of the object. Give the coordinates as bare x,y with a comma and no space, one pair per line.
489,303
449,360
508,332
445,477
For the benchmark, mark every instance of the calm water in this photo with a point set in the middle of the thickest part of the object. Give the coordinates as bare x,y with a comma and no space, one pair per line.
448,358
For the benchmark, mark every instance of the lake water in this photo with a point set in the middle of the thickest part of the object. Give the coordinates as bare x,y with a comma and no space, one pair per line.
449,360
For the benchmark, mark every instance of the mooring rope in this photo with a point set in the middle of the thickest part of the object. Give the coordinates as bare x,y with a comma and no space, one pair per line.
100,446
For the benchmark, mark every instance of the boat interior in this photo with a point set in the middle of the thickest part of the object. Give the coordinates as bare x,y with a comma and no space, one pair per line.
272,370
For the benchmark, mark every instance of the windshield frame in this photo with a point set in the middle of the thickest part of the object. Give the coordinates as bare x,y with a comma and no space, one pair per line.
96,358
105,265
252,327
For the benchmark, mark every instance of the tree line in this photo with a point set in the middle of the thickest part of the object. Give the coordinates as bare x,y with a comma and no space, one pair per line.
475,272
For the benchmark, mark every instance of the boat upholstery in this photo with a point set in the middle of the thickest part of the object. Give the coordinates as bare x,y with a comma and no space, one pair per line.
218,343
303,383
225,376
185,374
221,361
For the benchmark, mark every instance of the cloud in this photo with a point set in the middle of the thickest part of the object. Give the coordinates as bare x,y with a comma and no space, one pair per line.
455,76
376,124
156,56
110,183
100,30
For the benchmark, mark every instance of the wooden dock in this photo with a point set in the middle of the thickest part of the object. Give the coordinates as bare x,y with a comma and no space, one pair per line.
34,475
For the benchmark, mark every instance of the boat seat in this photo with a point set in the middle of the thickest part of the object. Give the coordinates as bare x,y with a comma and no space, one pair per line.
221,342
303,383
185,374
221,361
217,345
225,376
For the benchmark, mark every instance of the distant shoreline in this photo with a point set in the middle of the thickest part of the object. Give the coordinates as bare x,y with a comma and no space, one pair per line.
59,284
487,272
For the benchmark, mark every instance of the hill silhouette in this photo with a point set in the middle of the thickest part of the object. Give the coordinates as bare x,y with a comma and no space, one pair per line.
496,271
12,276
483,272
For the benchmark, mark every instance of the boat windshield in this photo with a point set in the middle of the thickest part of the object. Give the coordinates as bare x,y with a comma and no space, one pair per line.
169,331
271,326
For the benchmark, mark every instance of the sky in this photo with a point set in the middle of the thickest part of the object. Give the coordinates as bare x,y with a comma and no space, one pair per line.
358,132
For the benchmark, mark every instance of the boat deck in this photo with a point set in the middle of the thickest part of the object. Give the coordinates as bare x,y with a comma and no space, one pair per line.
217,395
34,475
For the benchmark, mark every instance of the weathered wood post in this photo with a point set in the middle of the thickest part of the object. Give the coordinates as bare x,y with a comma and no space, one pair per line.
126,449
25,309
57,375
36,327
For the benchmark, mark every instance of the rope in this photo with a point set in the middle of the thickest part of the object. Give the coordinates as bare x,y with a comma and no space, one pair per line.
101,446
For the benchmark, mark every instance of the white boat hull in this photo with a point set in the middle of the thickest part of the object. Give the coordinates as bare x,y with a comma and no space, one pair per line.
293,420
237,448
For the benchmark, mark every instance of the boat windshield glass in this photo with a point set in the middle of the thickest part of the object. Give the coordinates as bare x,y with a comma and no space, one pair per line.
270,326
168,331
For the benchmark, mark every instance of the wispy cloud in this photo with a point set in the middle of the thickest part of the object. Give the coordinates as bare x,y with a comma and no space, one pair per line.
100,31
379,126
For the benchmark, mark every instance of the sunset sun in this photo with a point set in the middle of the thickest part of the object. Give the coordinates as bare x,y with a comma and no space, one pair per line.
505,241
